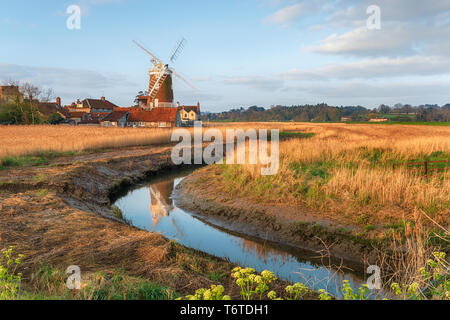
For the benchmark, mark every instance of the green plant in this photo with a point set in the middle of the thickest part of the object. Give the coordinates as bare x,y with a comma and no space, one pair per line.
323,295
40,178
349,293
433,282
42,192
297,291
9,279
217,276
369,227
252,284
214,293
117,212
120,286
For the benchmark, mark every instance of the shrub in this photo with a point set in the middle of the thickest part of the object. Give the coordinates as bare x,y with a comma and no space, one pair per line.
9,279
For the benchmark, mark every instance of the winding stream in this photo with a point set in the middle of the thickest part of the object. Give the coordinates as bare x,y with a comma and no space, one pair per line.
151,207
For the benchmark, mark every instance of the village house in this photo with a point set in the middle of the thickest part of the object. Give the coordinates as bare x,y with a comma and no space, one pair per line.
378,120
117,118
99,105
187,115
77,107
9,94
49,108
89,111
163,117
93,118
75,117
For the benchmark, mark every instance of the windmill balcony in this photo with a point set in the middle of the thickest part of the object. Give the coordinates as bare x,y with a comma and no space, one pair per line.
163,105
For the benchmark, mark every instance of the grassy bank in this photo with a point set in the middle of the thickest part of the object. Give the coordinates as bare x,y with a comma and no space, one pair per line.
49,283
340,185
347,173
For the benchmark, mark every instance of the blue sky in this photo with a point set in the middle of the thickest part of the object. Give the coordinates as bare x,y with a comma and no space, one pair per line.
239,53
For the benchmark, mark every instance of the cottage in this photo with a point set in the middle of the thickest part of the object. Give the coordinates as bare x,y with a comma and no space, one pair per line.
93,118
162,117
117,118
49,108
9,94
77,107
187,115
75,116
99,105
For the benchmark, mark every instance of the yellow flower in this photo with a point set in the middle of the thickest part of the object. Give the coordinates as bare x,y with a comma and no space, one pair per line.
240,282
272,295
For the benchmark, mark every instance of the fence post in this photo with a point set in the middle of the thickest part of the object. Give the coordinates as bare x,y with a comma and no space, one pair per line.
426,168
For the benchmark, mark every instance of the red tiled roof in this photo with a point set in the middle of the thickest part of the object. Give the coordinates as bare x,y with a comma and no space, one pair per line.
49,108
99,104
115,115
76,114
161,114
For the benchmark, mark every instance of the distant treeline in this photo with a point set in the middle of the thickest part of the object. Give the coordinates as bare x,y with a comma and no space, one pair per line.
325,113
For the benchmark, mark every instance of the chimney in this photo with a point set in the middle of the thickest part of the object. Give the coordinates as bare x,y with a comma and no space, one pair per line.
58,101
198,107
102,98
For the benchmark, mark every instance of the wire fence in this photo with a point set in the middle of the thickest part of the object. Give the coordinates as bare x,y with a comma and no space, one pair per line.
425,167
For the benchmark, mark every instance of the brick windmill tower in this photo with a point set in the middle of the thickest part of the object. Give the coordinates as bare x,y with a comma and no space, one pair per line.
160,90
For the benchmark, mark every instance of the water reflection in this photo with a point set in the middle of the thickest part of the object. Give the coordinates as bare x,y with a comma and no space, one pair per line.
151,207
161,204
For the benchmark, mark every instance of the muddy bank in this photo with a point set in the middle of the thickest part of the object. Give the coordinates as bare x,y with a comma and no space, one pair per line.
293,226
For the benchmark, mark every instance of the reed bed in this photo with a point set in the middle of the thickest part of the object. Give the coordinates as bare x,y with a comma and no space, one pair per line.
347,171
29,140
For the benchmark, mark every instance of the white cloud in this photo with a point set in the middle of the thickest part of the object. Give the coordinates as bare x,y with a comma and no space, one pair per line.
50,76
256,82
428,89
71,83
393,39
285,15
375,68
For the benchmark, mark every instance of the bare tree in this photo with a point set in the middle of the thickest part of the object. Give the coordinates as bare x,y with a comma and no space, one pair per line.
47,95
31,93
11,82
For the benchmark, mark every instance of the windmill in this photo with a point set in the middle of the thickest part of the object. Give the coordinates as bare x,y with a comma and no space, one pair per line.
160,91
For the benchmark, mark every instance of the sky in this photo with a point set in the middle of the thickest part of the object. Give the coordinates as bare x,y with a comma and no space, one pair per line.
238,53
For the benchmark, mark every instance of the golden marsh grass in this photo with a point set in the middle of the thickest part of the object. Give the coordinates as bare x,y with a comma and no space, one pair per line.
346,170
